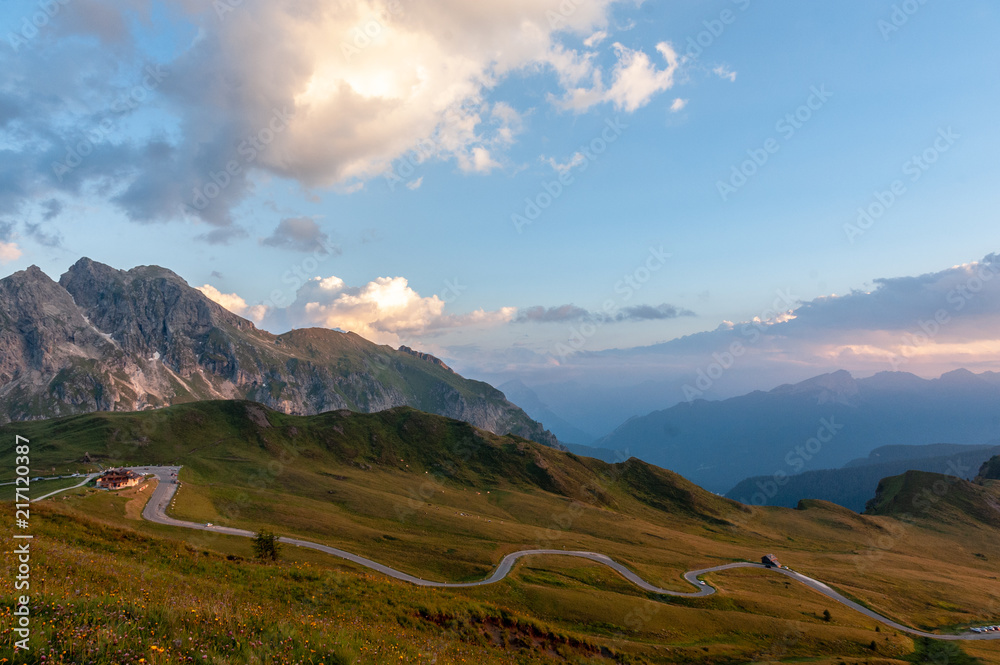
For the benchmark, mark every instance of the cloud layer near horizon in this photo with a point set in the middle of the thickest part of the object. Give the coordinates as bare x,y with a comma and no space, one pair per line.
926,324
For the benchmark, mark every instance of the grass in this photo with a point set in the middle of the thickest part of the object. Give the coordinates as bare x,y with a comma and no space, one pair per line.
439,499
39,488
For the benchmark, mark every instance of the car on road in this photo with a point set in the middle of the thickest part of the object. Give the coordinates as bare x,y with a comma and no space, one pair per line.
208,524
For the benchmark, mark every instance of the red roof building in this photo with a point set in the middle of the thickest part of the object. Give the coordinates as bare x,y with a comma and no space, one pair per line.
116,479
770,561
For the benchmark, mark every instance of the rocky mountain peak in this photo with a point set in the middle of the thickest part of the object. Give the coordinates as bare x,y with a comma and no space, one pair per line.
122,340
836,387
147,309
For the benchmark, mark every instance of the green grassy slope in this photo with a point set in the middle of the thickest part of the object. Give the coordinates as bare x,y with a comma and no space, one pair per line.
440,499
919,495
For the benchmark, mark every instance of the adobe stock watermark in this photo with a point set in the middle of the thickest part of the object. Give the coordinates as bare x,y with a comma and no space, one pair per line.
559,16
32,24
563,521
958,298
921,503
714,28
795,461
899,16
364,35
452,291
751,332
786,127
128,101
913,169
630,284
300,273
551,190
225,7
402,169
249,150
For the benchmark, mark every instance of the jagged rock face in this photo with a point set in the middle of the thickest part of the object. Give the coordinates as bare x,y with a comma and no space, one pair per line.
146,310
107,339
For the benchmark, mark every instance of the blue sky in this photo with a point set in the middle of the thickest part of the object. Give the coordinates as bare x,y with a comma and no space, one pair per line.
503,97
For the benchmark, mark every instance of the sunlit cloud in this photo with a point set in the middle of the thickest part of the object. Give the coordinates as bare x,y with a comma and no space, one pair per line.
234,303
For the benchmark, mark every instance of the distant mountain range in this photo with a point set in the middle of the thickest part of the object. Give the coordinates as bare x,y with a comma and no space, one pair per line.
528,400
853,485
103,339
821,423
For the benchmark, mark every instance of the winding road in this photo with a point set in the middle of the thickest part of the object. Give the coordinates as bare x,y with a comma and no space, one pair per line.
155,511
83,482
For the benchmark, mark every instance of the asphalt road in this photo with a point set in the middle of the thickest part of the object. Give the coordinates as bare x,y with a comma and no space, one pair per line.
155,511
83,482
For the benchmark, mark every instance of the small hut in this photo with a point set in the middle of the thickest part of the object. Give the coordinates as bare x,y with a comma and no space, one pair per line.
116,479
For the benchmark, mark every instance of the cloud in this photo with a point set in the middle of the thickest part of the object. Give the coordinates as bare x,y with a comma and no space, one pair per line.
51,209
388,76
563,167
233,302
325,94
9,251
42,237
724,72
928,324
223,235
386,310
414,185
634,81
651,313
678,105
301,234
558,314
564,313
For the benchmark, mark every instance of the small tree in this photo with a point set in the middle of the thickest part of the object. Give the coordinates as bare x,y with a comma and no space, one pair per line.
266,546
826,615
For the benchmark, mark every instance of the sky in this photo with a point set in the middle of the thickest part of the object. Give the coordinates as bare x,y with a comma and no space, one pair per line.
593,196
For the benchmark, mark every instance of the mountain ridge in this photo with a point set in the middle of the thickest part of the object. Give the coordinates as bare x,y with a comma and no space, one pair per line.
821,423
104,339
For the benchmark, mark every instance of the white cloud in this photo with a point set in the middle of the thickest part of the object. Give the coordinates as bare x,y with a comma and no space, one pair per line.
9,251
563,167
414,185
234,303
387,75
326,93
723,71
386,311
678,105
634,81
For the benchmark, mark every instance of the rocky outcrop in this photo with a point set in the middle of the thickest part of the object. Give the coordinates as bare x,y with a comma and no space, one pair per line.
424,356
990,470
115,340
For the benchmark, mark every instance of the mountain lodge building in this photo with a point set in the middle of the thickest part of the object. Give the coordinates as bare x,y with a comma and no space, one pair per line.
116,479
